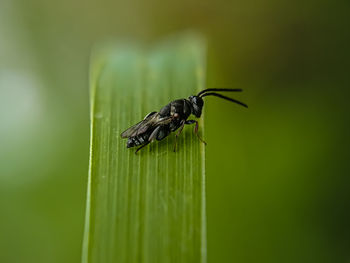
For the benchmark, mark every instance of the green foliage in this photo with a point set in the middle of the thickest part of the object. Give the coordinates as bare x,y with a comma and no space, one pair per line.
148,207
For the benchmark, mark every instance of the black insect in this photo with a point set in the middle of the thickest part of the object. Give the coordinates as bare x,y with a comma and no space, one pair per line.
173,116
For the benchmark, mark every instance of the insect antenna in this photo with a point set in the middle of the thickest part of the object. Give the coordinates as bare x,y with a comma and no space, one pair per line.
225,98
206,90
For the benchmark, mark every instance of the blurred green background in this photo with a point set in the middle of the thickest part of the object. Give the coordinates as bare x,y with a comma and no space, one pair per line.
277,173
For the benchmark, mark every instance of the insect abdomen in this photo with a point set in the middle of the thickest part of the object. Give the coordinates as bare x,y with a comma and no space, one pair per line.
137,140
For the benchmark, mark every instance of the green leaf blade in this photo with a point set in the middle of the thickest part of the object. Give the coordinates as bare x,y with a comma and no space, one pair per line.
148,207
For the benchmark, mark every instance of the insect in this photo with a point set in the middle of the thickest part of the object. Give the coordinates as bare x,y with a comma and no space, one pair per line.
172,117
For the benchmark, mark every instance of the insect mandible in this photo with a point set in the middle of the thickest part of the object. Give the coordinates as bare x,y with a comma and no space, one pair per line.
173,116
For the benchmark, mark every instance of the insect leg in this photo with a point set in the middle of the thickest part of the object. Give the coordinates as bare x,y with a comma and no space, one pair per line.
178,133
141,147
154,134
151,138
195,129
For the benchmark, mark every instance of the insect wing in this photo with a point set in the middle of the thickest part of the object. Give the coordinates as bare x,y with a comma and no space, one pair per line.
146,124
140,127
128,133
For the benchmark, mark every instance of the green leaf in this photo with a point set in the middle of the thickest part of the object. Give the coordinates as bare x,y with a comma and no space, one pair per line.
148,207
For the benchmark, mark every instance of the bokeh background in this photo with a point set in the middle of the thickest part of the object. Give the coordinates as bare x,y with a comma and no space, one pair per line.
277,173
